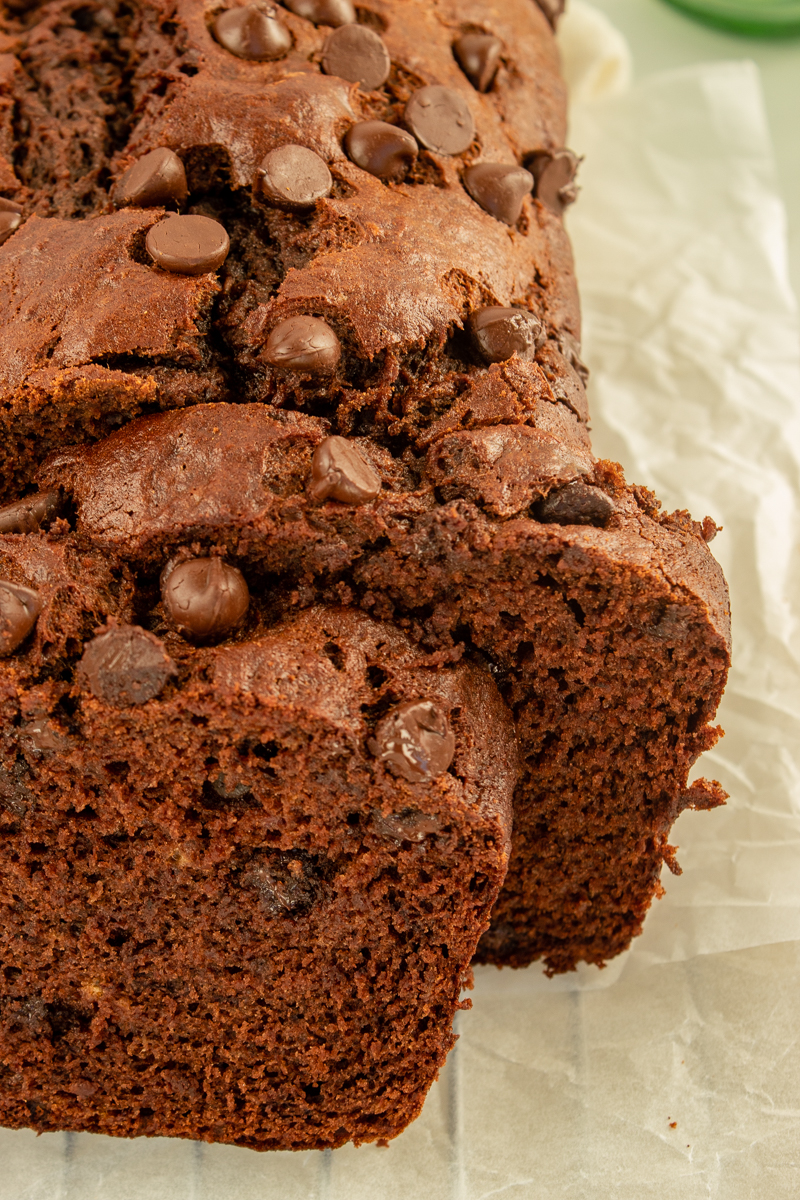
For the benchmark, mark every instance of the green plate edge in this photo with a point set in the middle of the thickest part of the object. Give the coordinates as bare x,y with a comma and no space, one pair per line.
776,27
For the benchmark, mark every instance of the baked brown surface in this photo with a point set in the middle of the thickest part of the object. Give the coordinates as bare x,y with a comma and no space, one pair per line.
354,394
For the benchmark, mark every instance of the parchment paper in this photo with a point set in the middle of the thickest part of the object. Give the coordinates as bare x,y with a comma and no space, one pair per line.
676,1071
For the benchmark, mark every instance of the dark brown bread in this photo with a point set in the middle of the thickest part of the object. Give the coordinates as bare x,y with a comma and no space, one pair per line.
222,916
604,623
374,403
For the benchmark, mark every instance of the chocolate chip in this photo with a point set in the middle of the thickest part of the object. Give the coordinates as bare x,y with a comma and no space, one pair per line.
382,149
575,504
125,665
158,178
19,608
307,345
552,9
555,179
294,177
26,516
500,332
357,54
499,189
340,472
188,245
10,218
253,33
478,55
440,120
415,741
204,598
323,12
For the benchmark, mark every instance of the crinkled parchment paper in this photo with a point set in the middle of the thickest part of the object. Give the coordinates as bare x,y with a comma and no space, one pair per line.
676,1071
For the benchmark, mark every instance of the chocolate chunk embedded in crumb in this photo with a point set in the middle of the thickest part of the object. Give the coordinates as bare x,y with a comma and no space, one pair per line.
125,665
189,245
323,12
253,33
340,472
498,333
381,149
204,599
19,608
28,515
158,178
440,120
306,345
357,54
478,55
294,177
415,741
500,189
576,504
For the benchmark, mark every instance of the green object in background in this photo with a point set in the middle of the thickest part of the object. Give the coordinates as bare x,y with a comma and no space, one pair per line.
763,17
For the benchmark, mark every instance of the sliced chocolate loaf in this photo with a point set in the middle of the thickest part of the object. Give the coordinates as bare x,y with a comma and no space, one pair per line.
604,624
240,884
333,255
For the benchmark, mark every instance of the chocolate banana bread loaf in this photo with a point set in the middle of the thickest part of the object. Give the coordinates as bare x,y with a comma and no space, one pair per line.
241,884
306,563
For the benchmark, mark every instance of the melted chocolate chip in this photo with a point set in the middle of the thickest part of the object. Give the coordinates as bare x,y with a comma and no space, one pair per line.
188,245
10,218
406,826
440,120
125,665
382,149
323,12
253,33
340,472
575,504
500,332
41,738
294,177
26,516
226,788
555,179
415,741
499,189
288,881
306,345
15,796
158,178
19,608
357,54
204,598
478,55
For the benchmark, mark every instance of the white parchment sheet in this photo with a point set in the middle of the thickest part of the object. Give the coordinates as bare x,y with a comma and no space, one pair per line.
676,1071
